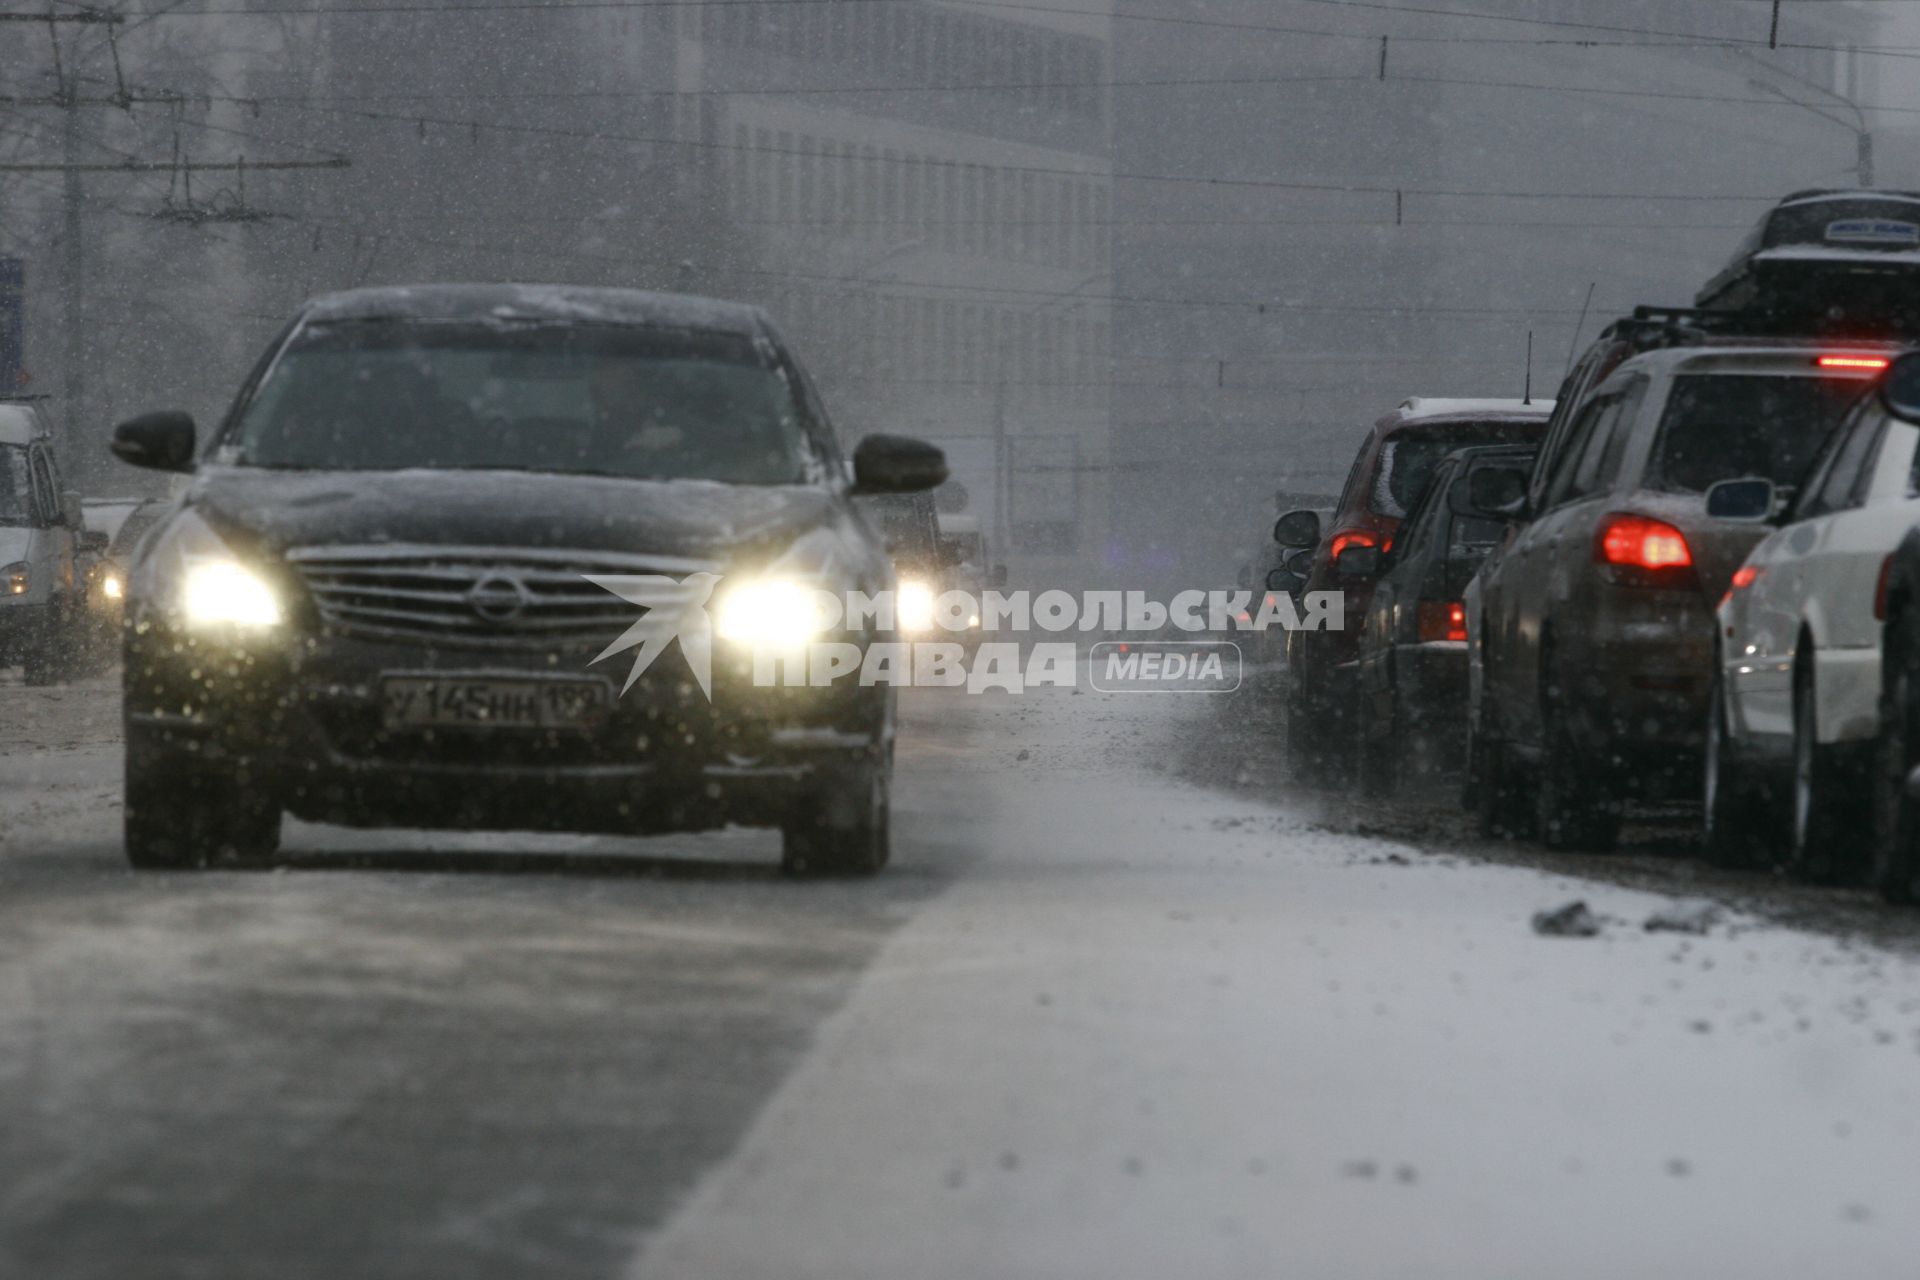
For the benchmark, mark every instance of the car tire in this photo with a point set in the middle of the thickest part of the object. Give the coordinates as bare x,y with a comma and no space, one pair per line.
1382,747
43,658
842,828
1306,735
1576,813
1500,807
1733,824
1817,792
1896,834
179,815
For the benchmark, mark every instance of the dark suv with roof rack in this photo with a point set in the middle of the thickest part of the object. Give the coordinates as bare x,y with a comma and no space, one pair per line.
1590,633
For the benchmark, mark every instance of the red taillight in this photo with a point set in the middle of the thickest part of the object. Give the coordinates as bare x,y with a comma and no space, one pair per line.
1351,538
1870,364
1744,576
1442,620
1880,590
1639,542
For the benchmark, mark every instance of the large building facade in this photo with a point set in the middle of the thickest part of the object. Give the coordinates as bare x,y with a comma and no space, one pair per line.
921,193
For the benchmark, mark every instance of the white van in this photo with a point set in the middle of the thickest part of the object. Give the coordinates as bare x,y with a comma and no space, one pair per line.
41,595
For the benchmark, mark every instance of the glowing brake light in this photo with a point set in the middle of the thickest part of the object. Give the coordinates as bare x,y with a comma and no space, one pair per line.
1872,364
1442,620
1351,538
1744,576
1639,542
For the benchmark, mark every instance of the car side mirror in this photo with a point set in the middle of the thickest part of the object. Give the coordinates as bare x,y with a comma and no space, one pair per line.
162,441
72,513
1900,388
1357,564
1285,581
897,464
1490,493
93,540
1297,529
1746,499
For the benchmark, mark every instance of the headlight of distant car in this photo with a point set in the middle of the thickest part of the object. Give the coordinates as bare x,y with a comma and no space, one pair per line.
913,605
770,613
195,576
111,587
19,577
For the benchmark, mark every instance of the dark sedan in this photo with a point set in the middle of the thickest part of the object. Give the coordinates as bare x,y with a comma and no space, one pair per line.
500,557
1412,662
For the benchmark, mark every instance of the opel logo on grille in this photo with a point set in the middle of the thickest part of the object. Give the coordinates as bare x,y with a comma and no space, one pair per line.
499,597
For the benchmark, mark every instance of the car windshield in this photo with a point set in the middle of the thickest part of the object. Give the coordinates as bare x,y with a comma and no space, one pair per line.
1408,459
601,400
1724,426
905,521
16,491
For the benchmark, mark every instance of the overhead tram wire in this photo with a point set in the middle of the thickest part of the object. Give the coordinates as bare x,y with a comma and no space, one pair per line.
1659,38
1271,184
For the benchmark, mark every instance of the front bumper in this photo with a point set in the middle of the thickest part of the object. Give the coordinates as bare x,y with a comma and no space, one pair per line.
303,721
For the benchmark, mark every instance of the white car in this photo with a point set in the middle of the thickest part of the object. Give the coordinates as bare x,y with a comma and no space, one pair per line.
1795,705
42,527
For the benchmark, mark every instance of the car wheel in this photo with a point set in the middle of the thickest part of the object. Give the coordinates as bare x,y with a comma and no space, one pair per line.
1575,811
177,816
1733,826
1500,807
42,657
1814,830
1896,843
1306,735
1382,747
843,828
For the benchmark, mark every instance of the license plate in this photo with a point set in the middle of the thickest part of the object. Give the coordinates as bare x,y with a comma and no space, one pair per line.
482,702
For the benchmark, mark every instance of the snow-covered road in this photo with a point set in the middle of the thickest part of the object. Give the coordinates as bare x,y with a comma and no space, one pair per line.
1101,1021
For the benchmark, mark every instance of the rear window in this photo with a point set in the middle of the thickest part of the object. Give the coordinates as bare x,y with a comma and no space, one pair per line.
1409,457
1725,426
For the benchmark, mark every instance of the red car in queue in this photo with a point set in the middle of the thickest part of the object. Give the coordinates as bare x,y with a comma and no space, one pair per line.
1394,464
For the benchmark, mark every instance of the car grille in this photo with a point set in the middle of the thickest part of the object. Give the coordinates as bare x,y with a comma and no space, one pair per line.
480,596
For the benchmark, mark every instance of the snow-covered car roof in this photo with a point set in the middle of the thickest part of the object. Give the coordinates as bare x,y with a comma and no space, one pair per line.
587,305
19,424
1784,354
1419,408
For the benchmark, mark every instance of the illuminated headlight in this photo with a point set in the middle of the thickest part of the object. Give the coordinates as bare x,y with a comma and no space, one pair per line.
19,577
771,613
226,593
913,606
111,587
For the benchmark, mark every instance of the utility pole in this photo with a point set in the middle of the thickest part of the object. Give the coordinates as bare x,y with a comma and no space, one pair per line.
1002,473
72,280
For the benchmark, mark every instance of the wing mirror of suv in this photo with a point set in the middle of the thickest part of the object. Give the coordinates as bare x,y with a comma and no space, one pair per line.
1357,564
1297,529
897,464
1285,581
161,441
72,513
1900,388
1746,499
1490,493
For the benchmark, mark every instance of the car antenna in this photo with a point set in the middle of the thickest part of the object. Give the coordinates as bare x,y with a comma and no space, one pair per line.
1526,396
